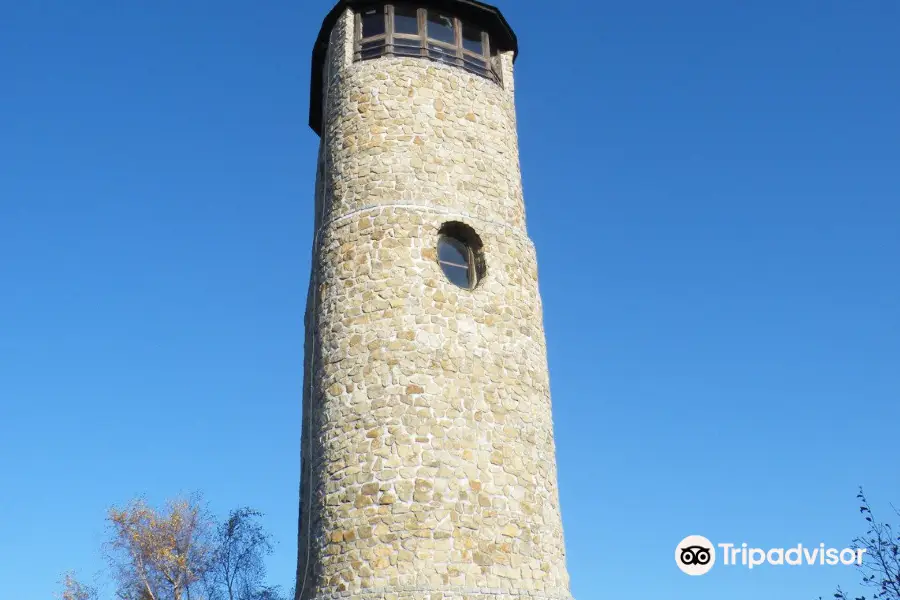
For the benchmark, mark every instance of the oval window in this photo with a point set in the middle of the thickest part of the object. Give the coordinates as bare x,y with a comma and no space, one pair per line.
457,261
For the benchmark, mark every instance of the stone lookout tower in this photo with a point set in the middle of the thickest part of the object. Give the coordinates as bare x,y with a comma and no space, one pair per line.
429,468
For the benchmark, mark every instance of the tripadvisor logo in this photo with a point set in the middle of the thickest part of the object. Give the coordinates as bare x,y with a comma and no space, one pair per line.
696,555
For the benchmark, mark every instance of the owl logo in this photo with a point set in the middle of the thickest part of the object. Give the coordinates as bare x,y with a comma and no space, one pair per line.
695,555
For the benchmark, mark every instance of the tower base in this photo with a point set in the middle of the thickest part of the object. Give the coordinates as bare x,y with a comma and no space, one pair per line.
437,593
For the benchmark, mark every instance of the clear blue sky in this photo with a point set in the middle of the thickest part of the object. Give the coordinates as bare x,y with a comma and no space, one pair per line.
713,190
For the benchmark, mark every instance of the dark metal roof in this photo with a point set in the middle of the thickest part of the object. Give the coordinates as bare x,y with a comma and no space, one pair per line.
483,15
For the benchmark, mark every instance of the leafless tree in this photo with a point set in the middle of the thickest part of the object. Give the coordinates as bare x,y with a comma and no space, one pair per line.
237,569
881,562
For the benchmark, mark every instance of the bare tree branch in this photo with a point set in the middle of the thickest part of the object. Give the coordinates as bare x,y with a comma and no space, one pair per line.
881,562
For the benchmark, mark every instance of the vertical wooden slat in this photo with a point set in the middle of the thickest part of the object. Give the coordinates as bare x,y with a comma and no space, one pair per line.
457,26
389,28
423,33
357,34
488,59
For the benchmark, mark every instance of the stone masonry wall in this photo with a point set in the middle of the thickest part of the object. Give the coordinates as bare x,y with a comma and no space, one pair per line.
428,456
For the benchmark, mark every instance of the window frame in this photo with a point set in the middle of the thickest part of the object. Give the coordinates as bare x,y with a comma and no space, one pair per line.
433,49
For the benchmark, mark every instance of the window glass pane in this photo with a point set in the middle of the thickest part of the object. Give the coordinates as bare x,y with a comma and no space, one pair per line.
372,21
440,27
471,38
457,275
442,54
475,65
371,49
406,47
406,20
453,251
